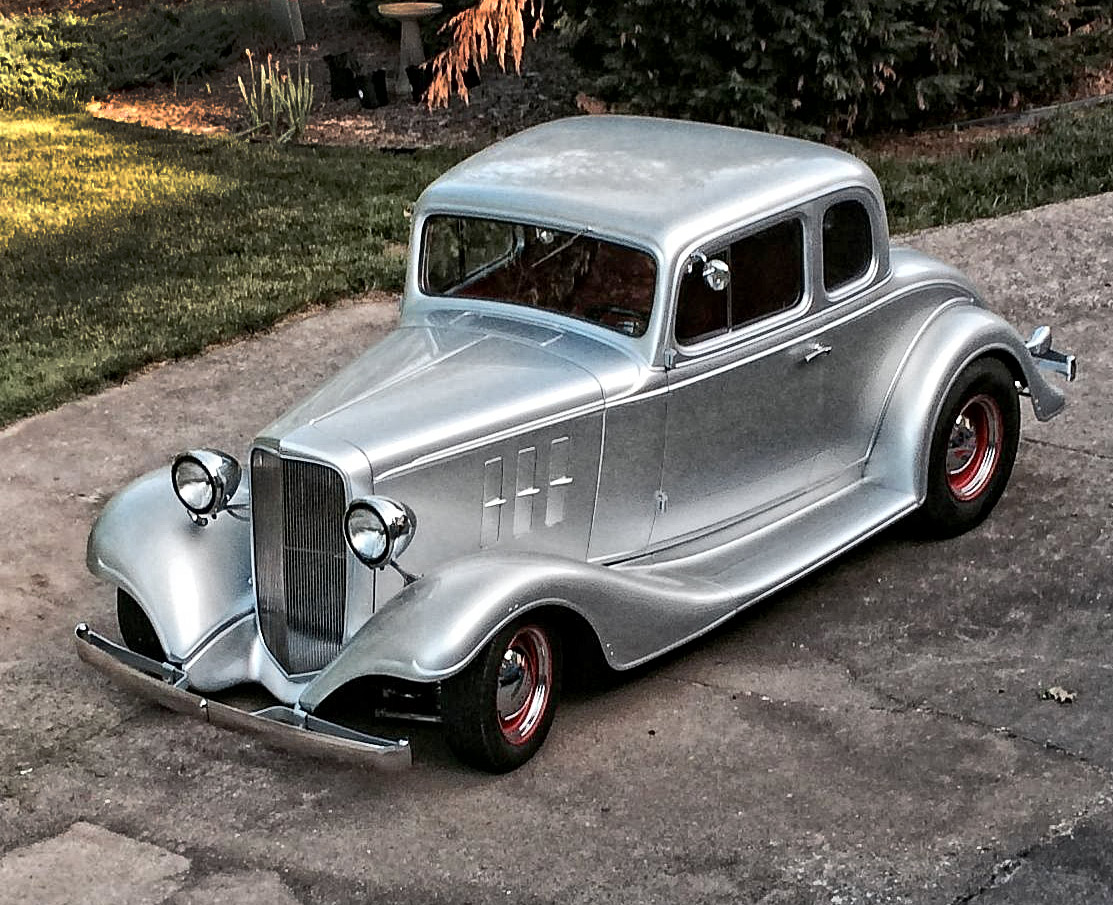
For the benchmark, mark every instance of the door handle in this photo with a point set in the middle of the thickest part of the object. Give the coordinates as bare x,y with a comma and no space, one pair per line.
815,350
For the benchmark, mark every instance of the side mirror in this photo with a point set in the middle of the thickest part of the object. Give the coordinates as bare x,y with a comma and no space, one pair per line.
715,272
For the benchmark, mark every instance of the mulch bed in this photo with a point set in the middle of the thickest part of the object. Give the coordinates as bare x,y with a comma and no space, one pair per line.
504,103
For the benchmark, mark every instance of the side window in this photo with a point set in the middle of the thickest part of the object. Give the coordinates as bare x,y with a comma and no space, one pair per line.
767,277
767,273
701,312
847,244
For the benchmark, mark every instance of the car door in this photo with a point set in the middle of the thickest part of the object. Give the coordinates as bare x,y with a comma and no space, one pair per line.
744,390
867,326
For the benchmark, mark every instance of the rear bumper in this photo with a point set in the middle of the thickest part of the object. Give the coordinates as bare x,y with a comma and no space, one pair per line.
1039,345
286,727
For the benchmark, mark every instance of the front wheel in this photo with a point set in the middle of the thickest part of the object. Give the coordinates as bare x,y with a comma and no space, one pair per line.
497,712
973,449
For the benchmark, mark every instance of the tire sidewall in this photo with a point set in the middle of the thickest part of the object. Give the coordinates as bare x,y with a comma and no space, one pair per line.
469,703
942,513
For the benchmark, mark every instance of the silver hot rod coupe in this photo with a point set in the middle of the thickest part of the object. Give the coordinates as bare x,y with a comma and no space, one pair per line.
647,373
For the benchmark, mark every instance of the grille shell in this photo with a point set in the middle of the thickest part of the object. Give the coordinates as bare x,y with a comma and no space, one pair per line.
300,559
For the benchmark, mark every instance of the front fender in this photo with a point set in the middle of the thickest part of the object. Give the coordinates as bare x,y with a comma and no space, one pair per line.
189,580
431,629
954,337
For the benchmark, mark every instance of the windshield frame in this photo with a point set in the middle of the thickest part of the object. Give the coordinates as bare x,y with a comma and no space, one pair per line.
644,254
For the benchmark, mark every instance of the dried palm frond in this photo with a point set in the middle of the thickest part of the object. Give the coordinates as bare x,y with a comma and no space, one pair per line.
490,27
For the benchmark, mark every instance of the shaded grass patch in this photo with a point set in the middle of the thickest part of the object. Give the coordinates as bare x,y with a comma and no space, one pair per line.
121,246
58,61
1066,156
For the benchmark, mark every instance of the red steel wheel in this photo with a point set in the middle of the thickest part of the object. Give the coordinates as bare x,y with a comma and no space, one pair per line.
525,684
973,447
498,710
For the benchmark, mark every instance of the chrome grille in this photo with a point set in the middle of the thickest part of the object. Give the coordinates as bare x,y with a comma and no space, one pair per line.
300,559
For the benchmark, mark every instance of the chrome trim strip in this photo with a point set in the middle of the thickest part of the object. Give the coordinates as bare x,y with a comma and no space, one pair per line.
288,727
801,338
451,452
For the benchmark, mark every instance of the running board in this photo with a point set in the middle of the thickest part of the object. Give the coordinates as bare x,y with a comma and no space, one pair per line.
754,564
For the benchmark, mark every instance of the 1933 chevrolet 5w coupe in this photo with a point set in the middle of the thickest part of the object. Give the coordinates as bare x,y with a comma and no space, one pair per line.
647,373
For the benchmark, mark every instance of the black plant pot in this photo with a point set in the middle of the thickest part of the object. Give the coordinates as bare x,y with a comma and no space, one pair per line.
371,90
378,82
343,75
419,82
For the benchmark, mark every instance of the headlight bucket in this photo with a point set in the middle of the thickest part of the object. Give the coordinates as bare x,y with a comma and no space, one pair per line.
205,480
379,529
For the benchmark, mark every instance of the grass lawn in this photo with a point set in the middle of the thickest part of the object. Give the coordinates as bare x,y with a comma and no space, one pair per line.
121,246
1068,156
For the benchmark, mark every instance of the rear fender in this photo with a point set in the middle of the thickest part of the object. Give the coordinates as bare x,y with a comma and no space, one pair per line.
189,580
958,334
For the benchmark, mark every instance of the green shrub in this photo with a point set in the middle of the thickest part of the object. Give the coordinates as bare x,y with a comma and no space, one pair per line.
817,66
59,61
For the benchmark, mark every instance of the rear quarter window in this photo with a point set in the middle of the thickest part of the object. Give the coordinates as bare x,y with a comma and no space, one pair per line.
847,244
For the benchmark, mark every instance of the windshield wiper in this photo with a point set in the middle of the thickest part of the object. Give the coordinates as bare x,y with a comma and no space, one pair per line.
564,245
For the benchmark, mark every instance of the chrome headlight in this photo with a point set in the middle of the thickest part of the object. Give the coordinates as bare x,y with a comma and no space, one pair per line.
205,480
378,529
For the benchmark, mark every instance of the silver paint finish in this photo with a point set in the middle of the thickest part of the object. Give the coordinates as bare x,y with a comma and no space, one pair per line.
189,580
653,488
638,610
955,335
660,183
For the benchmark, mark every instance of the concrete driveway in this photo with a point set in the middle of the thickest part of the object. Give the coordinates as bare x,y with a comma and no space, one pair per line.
875,734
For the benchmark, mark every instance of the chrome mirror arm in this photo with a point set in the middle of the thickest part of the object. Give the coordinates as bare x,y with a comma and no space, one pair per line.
407,577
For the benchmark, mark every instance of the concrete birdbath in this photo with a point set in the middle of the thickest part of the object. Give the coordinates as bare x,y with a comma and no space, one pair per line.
410,52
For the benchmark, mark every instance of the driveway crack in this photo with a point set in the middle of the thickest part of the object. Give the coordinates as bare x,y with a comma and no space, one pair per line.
1050,444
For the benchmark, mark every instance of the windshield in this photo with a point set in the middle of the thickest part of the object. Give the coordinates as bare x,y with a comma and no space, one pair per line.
569,273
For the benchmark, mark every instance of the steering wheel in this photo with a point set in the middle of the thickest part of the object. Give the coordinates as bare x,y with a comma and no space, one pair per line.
625,319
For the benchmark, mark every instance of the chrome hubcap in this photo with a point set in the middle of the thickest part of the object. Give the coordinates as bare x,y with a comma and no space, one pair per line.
524,684
974,447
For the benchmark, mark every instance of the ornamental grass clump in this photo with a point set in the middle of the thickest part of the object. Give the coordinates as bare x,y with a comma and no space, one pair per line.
491,27
277,102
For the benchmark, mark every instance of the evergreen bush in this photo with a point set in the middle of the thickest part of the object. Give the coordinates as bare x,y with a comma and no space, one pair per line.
59,61
821,66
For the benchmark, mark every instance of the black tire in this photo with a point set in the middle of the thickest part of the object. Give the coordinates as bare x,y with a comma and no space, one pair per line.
136,629
497,712
973,448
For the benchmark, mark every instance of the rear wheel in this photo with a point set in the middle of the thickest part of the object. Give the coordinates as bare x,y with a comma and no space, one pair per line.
498,711
136,629
972,449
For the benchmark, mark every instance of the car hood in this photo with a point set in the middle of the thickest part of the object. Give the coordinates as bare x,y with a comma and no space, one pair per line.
428,389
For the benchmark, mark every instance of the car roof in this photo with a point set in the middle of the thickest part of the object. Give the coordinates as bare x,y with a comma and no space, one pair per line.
662,183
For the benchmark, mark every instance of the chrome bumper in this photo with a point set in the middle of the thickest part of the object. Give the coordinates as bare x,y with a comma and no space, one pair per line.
286,727
1039,345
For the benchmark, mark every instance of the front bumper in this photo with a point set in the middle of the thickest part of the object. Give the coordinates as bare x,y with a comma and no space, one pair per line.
287,727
